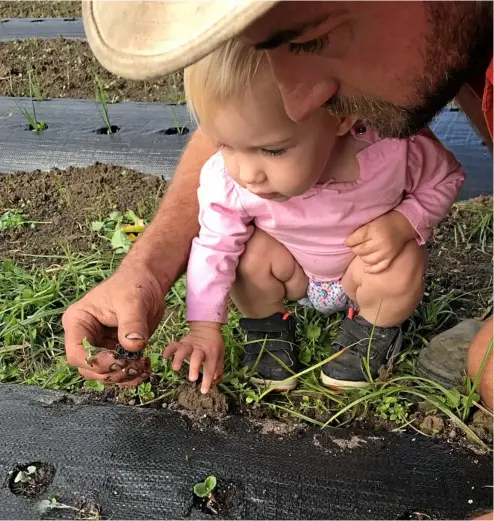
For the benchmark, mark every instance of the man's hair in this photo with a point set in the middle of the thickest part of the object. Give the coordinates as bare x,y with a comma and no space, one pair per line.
224,75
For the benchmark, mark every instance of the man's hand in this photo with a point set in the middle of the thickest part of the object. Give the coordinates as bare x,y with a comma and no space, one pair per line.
124,309
202,346
381,241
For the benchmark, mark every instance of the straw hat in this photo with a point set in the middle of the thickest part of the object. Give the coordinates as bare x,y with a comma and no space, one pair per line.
145,39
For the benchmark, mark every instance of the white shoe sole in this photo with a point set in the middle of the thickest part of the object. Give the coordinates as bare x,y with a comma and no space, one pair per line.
276,385
342,384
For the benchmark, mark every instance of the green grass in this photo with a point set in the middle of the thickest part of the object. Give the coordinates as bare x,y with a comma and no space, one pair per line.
32,352
479,230
100,94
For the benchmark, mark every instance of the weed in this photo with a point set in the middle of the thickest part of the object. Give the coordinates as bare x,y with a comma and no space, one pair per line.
145,392
480,220
180,128
100,93
205,488
86,509
120,229
13,219
394,409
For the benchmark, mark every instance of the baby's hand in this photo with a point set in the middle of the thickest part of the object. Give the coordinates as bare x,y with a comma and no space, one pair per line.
202,346
381,241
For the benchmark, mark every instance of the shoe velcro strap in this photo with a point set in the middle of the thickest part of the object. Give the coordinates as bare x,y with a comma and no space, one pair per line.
268,345
351,334
273,324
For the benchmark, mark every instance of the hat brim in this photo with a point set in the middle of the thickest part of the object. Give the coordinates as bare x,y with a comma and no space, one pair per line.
142,40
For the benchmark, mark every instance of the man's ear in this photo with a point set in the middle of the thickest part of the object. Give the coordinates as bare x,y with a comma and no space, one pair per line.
345,125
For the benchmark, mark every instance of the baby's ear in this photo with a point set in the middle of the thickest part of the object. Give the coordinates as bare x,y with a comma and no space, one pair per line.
345,125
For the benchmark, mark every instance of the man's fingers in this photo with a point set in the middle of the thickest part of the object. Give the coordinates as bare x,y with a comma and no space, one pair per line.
358,236
132,320
196,359
378,267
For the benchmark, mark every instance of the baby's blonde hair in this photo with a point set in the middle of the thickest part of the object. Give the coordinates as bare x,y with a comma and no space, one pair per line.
224,75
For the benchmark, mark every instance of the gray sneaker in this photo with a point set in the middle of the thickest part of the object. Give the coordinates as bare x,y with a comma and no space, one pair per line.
444,360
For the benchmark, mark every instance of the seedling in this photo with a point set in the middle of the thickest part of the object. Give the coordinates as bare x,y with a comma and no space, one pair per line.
23,476
85,510
205,488
100,93
179,128
120,229
34,92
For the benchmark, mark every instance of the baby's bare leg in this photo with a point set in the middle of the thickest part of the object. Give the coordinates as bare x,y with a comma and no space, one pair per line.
267,274
388,298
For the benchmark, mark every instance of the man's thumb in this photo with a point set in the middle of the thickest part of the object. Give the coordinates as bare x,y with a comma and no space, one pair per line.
133,331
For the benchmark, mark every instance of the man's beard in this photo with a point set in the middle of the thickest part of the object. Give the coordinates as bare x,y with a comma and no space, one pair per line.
458,47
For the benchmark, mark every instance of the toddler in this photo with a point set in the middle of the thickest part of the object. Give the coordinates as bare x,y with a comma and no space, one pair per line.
321,210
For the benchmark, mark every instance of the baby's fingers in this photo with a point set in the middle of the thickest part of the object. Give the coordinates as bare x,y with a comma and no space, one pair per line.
209,374
196,359
179,351
378,268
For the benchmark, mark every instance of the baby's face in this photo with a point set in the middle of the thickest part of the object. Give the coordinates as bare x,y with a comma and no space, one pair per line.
264,150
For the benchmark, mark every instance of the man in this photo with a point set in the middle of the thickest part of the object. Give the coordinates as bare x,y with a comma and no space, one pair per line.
394,64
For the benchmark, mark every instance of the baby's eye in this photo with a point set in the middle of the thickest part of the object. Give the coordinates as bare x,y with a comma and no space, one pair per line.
273,151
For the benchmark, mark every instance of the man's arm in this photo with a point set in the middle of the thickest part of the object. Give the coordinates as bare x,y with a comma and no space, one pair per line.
165,244
127,307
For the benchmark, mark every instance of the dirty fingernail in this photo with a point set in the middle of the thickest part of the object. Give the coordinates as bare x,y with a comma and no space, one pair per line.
132,372
134,336
115,367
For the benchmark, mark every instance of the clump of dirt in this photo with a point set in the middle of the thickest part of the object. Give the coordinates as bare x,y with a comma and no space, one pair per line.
482,426
67,201
65,69
50,9
432,425
224,498
190,398
31,479
88,509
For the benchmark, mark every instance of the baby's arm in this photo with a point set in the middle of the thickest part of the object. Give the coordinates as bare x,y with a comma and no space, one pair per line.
434,178
225,228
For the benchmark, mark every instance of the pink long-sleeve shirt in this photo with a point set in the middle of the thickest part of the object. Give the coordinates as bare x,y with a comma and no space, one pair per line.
417,177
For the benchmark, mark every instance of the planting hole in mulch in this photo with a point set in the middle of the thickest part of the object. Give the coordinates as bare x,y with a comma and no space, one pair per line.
173,131
224,498
107,131
31,479
30,128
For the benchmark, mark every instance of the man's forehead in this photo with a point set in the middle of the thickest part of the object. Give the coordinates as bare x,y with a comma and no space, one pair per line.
288,20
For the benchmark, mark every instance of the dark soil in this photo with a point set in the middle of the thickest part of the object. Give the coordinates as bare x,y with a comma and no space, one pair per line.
68,201
66,69
223,500
46,9
461,267
31,485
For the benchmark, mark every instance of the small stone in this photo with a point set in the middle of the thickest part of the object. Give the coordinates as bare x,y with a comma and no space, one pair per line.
470,501
132,402
164,405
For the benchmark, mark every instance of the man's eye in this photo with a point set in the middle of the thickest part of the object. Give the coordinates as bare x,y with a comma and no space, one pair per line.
273,152
308,47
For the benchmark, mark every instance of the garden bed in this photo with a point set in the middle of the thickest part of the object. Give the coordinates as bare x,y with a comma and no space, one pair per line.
66,204
41,9
66,68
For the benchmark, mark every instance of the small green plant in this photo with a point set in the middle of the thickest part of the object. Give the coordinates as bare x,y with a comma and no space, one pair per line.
391,408
35,125
120,229
94,385
180,128
145,392
100,93
23,476
205,488
34,90
86,509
